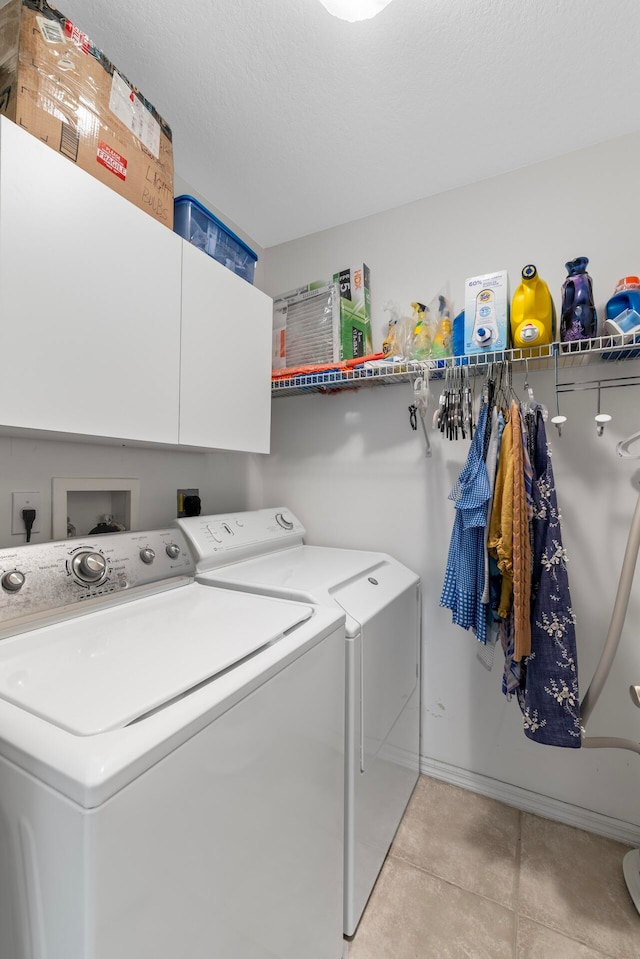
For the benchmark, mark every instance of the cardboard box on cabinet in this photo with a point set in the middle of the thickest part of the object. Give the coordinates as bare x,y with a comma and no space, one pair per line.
57,85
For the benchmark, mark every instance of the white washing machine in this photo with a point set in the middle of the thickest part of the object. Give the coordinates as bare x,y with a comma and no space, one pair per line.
171,760
262,552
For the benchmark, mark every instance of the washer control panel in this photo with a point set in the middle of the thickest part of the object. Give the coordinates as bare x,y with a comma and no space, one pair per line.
48,578
223,538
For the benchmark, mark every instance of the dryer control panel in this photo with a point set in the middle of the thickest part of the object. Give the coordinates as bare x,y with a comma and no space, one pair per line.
47,581
223,538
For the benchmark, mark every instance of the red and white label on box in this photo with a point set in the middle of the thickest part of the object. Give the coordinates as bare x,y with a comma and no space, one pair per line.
112,160
76,36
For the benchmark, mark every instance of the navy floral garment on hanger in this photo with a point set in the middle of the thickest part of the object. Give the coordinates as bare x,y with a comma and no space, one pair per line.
548,691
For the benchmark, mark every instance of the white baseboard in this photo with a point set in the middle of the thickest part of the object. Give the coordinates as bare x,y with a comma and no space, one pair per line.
533,802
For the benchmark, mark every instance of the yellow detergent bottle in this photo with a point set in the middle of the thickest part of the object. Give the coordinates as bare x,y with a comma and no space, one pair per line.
533,314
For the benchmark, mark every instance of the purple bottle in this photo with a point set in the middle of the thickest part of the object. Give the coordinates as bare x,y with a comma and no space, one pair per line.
579,320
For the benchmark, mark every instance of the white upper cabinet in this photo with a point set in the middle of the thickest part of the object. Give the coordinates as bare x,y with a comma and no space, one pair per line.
90,291
225,379
113,326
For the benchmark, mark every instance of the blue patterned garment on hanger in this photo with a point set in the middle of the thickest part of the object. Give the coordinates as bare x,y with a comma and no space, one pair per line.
464,577
548,692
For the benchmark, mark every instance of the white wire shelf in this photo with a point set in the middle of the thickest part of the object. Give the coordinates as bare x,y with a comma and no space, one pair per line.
612,349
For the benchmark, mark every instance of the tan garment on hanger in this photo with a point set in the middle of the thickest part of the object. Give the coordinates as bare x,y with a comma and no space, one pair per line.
521,545
500,542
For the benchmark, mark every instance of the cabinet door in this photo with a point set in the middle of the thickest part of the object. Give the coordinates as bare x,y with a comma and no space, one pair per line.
225,379
89,302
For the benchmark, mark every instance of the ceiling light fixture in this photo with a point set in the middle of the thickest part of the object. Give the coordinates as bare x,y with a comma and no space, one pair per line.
353,10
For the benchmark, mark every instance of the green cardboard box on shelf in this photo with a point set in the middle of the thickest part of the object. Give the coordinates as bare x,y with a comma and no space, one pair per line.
355,311
323,323
486,313
57,85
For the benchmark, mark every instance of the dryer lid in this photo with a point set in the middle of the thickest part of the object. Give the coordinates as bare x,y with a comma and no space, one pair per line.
360,582
307,573
104,670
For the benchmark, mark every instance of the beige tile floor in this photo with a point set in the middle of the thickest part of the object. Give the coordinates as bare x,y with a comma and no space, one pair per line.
470,878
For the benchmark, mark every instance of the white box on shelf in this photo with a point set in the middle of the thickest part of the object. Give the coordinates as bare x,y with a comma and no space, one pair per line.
486,312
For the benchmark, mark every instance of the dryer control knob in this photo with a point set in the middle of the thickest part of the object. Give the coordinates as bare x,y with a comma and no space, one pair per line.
147,555
283,521
173,551
13,581
89,567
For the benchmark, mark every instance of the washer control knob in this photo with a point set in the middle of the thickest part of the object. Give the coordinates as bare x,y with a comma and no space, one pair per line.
13,581
89,567
147,555
283,521
173,550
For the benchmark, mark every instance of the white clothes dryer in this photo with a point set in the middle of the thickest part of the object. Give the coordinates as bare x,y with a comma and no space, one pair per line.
171,760
262,552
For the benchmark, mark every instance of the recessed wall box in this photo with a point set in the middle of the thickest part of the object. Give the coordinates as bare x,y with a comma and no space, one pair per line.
84,501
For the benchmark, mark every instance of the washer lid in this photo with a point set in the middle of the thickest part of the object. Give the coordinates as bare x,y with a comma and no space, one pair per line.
108,668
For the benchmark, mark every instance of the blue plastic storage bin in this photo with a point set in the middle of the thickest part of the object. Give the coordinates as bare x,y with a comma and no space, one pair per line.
199,226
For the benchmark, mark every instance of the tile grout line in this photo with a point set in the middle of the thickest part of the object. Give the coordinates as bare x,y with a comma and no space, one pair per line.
555,929
579,942
519,907
601,953
449,882
516,888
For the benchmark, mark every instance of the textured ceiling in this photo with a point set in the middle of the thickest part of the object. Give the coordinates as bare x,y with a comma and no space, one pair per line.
291,121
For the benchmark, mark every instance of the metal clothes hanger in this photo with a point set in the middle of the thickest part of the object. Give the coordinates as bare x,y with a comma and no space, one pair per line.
505,393
421,399
530,400
513,396
454,415
467,407
531,403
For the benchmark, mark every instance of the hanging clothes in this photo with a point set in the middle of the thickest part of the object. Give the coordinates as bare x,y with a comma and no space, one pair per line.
526,591
548,690
492,577
464,576
521,545
500,542
491,462
512,675
515,628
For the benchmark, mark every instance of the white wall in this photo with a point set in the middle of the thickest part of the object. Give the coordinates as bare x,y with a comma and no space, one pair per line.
224,479
354,472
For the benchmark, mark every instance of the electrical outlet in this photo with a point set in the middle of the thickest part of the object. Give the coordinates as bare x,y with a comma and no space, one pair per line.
181,495
20,501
